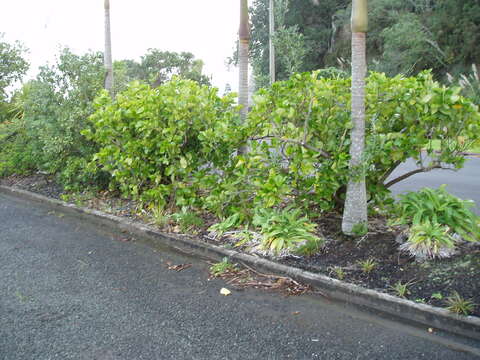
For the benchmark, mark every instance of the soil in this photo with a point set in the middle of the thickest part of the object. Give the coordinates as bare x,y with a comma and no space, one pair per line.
342,257
38,183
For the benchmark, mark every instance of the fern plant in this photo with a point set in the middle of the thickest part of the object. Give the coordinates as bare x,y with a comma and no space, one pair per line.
285,230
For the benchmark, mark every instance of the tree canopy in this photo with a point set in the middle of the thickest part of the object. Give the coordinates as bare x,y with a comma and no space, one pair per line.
12,64
12,68
156,67
404,36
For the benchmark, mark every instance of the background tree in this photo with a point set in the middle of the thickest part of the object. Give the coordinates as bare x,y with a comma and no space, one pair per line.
13,67
355,211
156,67
404,36
108,50
12,64
289,41
300,19
56,106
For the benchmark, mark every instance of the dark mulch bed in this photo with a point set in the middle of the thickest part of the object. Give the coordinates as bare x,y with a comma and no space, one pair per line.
438,278
38,183
429,282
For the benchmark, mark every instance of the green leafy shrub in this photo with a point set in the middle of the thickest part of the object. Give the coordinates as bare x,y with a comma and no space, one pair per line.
160,144
17,153
432,207
56,107
299,134
49,114
286,230
79,175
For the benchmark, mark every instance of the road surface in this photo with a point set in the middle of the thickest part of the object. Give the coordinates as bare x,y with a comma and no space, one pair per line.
70,290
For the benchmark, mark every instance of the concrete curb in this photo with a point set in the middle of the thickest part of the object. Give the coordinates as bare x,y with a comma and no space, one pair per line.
422,314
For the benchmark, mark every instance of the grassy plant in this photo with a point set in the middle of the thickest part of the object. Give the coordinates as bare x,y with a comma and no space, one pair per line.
401,289
187,220
338,271
285,230
458,305
360,229
160,218
222,267
368,265
429,241
310,247
437,295
470,84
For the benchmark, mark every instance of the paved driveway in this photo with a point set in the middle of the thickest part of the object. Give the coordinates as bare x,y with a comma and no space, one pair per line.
69,290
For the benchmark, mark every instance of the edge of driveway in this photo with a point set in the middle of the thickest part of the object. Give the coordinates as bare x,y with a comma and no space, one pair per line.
402,309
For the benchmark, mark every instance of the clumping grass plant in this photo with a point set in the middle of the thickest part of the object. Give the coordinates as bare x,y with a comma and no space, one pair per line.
458,305
429,241
437,206
368,265
401,289
437,221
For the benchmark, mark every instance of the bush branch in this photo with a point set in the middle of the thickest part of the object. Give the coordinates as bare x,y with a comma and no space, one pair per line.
413,172
296,142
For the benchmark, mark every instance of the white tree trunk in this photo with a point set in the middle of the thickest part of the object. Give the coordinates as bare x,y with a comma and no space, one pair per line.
271,46
108,51
355,211
243,78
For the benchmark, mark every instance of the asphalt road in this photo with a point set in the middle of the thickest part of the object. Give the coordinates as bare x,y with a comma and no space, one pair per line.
70,290
464,183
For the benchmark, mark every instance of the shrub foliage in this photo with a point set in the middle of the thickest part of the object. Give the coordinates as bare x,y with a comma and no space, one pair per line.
299,133
159,143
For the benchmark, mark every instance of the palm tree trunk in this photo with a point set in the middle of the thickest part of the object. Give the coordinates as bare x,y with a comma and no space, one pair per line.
271,46
244,39
355,211
108,51
243,78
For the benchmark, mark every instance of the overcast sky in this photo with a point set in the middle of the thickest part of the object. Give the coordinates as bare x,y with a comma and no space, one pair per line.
207,28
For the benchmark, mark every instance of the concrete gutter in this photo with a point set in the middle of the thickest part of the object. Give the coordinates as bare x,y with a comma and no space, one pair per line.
421,314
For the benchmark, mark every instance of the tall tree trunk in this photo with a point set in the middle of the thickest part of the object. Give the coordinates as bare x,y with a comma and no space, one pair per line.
355,211
108,51
244,39
272,47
